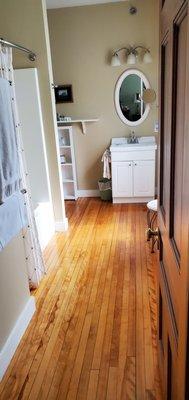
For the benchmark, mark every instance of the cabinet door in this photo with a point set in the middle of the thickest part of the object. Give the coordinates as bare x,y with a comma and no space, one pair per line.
122,179
144,178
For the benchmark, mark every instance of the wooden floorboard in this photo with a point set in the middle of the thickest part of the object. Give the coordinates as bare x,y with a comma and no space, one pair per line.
93,336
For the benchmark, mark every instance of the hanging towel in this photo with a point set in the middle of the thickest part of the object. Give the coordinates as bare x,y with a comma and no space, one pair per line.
106,159
9,161
13,217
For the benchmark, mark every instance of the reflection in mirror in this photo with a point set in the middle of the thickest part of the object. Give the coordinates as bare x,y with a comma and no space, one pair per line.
130,97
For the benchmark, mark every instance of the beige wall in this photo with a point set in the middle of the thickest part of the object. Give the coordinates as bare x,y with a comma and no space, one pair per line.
25,22
14,289
81,40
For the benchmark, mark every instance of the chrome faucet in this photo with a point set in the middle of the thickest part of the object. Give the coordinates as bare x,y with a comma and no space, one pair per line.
132,138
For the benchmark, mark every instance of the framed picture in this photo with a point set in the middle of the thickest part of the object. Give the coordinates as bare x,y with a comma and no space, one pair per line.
63,94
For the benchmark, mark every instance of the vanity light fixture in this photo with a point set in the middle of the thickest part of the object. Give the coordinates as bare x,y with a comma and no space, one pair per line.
132,54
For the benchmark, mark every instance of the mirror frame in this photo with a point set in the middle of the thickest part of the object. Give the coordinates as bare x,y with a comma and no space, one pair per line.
116,96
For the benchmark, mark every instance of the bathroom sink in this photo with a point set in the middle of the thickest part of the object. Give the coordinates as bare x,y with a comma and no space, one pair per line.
119,141
122,144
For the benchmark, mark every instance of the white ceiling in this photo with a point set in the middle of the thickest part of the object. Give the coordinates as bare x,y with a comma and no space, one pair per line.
73,3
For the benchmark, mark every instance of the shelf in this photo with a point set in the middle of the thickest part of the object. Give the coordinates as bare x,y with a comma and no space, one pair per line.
78,121
68,169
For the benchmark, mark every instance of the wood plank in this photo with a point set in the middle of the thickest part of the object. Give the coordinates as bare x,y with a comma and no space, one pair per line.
68,372
129,381
106,347
112,384
94,333
93,382
65,376
148,347
131,349
140,347
88,359
81,262
123,342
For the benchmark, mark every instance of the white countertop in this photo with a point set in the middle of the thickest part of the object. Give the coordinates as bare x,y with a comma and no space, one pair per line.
145,143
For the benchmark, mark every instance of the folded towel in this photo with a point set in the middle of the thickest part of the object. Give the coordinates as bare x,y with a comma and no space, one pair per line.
106,159
9,160
13,217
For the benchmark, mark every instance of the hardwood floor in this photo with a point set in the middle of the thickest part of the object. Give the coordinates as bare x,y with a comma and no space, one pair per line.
93,336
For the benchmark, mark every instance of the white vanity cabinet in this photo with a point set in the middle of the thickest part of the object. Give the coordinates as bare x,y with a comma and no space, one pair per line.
133,172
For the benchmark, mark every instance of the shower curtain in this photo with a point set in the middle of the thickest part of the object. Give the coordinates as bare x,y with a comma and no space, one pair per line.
34,259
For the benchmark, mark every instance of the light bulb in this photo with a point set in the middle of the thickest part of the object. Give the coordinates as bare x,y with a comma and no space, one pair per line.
115,61
131,59
147,59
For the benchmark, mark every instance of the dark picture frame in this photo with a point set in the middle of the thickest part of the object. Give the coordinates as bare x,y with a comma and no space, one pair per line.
63,94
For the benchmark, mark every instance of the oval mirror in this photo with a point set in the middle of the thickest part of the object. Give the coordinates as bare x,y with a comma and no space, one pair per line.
129,102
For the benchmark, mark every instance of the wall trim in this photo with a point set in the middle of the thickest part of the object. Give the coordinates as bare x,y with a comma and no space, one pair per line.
131,200
61,226
88,193
16,334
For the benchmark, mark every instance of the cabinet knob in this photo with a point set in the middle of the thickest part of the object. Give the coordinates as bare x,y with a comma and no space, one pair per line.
135,164
130,165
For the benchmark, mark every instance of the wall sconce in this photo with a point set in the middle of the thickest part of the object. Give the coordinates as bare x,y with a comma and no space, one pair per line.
132,54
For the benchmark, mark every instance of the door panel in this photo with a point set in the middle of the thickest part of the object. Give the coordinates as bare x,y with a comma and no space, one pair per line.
122,178
143,178
177,148
165,125
173,210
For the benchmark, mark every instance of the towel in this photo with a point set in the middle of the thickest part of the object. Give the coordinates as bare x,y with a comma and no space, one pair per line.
9,160
106,159
13,217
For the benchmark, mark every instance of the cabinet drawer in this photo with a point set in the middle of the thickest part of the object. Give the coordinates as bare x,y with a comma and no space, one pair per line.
133,155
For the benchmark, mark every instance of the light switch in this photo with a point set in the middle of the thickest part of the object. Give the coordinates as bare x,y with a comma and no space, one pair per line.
156,127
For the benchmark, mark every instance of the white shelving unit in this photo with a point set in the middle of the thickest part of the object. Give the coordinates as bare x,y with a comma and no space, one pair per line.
68,168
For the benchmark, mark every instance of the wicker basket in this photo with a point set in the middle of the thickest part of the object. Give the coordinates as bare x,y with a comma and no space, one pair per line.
105,187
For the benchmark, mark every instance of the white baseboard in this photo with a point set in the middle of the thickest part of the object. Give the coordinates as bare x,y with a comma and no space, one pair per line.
88,193
15,336
61,226
131,200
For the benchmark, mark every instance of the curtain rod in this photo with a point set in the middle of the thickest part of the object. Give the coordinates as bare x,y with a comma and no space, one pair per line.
31,54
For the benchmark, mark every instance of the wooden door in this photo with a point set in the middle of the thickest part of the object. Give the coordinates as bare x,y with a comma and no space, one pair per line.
173,340
144,178
122,179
